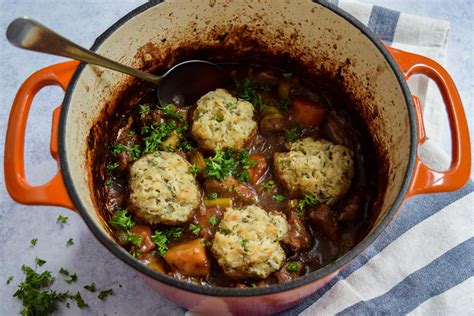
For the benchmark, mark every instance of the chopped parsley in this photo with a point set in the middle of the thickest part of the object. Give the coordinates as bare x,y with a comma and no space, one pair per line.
62,219
194,170
161,238
79,300
39,261
144,109
292,267
133,150
109,182
268,185
69,242
134,239
284,104
279,197
245,163
185,146
158,133
195,229
244,243
213,220
72,279
103,294
10,279
121,219
170,110
212,196
90,287
230,105
221,165
292,134
308,201
33,242
63,271
111,167
246,91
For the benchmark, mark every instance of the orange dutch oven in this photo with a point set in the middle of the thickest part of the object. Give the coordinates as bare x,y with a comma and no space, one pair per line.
319,36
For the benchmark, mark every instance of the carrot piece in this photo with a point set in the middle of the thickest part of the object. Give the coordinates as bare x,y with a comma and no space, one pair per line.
256,172
307,113
189,258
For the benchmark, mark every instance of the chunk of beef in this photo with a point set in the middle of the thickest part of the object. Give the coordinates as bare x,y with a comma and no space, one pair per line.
325,222
298,237
239,192
203,217
286,274
144,231
351,208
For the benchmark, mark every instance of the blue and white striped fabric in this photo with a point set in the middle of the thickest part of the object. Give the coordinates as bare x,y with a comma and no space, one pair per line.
424,262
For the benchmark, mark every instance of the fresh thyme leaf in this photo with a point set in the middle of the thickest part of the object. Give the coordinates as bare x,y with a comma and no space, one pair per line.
33,242
103,294
111,167
10,279
279,197
195,229
91,287
134,239
122,220
292,134
62,219
39,261
292,267
212,196
69,242
213,220
268,185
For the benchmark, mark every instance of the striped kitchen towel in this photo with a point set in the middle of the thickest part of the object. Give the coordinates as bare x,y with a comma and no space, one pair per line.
424,262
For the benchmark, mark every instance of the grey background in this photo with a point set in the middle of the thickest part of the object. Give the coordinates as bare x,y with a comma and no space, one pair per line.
83,21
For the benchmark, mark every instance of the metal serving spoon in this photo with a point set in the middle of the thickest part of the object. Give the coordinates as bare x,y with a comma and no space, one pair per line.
182,84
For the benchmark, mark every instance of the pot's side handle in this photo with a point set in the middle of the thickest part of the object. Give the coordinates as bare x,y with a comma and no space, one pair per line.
54,192
425,179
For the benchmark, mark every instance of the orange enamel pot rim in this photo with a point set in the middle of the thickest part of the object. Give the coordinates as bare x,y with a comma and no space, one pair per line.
230,292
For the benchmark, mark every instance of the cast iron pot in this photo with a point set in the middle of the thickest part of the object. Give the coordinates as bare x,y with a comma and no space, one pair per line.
319,36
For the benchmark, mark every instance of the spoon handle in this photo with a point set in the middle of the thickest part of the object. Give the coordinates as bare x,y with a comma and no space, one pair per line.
32,35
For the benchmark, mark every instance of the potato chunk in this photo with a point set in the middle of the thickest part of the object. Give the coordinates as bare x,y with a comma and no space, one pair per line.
189,258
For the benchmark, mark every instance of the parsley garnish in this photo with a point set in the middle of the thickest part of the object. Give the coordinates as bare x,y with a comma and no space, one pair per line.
194,170
213,220
244,243
158,134
161,238
134,239
111,167
245,163
103,294
79,301
221,165
279,197
69,242
62,219
72,278
10,279
212,196
133,150
185,146
292,267
121,219
284,104
109,182
91,287
144,109
39,261
63,271
292,134
196,229
246,91
33,242
268,185
308,200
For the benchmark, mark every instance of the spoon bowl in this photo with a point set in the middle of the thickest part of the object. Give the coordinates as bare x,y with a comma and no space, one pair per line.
182,85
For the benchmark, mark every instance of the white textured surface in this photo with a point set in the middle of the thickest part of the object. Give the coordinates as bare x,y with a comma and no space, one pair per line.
83,21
